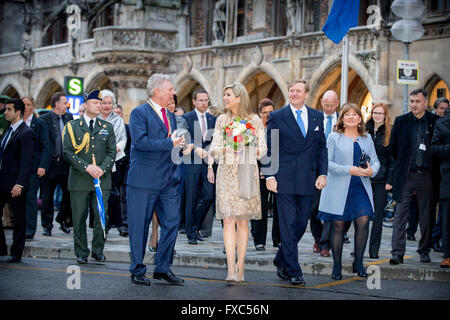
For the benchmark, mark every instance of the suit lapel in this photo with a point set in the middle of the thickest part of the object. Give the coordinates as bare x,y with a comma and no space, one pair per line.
14,134
292,124
312,122
157,118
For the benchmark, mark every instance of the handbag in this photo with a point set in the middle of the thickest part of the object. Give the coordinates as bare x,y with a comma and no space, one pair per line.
363,160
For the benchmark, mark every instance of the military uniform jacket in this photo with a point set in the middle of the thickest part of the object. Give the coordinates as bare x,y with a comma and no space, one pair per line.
78,147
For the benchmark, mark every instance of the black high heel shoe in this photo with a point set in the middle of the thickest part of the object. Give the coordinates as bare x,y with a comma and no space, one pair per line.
362,274
337,276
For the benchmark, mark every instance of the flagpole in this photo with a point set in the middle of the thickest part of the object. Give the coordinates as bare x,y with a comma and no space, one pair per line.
344,70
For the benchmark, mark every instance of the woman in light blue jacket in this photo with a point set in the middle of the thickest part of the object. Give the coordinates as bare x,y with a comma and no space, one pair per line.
348,194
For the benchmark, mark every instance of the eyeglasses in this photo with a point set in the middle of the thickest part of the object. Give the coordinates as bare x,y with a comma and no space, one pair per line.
378,113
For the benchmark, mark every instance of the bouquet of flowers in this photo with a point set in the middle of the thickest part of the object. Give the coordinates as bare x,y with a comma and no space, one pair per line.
238,133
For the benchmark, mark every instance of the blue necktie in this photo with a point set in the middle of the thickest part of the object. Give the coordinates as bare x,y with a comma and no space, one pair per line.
300,122
328,128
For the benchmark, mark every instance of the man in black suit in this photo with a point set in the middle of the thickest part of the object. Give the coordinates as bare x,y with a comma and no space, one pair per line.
414,170
440,147
122,167
321,232
16,163
58,171
198,191
40,164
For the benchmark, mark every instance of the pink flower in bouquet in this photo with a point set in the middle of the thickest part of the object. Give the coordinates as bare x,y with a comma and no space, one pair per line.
240,138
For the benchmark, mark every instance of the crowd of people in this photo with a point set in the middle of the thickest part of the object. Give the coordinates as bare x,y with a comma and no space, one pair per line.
173,169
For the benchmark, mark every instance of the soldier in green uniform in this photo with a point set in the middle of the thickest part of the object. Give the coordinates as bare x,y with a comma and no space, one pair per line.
83,138
4,124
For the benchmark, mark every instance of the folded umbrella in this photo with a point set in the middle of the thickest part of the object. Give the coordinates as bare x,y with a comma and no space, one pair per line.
100,205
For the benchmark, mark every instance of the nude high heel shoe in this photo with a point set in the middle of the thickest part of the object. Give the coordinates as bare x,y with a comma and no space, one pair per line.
237,277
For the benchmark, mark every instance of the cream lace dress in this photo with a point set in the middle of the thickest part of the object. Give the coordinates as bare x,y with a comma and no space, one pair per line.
228,202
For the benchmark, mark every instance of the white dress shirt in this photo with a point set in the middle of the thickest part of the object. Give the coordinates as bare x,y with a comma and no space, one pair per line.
325,120
158,110
87,119
28,121
304,115
199,115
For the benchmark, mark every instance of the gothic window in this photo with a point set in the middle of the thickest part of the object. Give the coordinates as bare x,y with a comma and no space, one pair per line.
103,19
311,15
363,15
240,28
57,32
279,20
438,5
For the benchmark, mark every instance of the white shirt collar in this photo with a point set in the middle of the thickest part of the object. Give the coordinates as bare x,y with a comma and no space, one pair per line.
334,115
199,114
157,106
16,125
28,121
87,119
294,110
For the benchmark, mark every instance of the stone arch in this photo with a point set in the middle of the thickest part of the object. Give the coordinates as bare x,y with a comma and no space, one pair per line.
253,70
99,80
10,91
432,85
12,86
327,76
45,93
186,83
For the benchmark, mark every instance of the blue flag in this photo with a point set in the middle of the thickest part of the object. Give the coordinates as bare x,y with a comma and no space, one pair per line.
343,16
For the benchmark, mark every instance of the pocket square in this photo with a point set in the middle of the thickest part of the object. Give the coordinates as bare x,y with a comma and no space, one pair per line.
317,128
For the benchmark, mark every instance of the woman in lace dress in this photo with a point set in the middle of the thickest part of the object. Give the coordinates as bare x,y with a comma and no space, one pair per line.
232,205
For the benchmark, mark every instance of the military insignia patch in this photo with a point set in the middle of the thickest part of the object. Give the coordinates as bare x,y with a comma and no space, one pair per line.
103,132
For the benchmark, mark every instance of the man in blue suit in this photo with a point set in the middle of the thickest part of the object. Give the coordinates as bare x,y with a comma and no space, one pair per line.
303,165
199,192
153,180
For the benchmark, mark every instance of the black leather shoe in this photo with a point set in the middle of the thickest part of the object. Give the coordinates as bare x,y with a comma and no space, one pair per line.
437,247
281,272
199,237
82,260
374,257
336,276
410,238
142,279
192,241
346,239
98,257
64,228
169,277
47,233
298,281
29,237
361,273
395,261
425,257
14,259
260,247
123,233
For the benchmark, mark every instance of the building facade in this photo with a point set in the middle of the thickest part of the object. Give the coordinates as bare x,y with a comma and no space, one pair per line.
264,44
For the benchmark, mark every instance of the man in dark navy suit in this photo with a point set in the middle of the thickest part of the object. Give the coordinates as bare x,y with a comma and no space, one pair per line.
199,192
40,164
16,164
153,180
303,165
58,170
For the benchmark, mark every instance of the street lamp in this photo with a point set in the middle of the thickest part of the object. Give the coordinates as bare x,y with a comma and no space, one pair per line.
407,30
